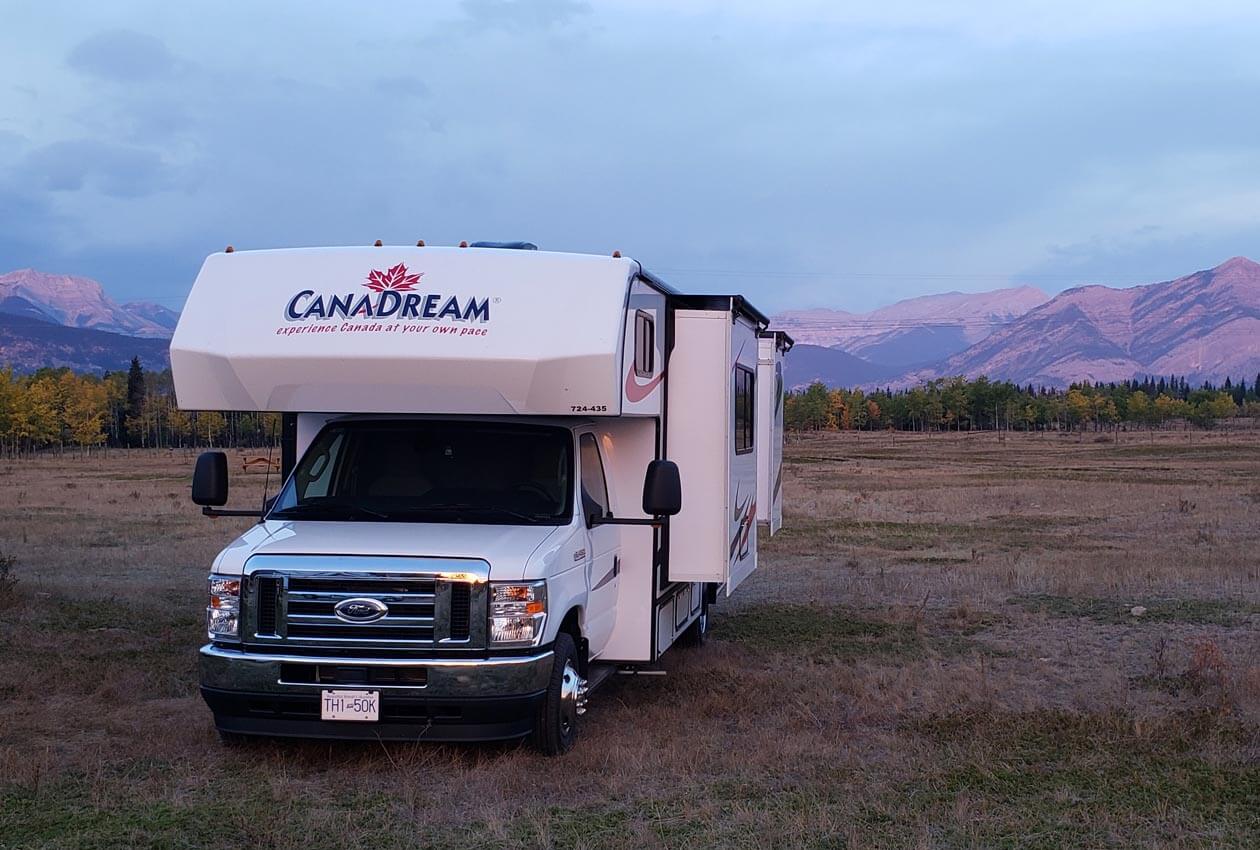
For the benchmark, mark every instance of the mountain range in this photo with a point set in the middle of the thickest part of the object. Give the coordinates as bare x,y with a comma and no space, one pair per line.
1204,326
28,343
80,302
63,320
915,331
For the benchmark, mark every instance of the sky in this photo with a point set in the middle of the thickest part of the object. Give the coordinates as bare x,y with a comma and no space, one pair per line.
838,154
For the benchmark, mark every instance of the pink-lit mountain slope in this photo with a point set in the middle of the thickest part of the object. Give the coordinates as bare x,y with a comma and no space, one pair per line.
1205,326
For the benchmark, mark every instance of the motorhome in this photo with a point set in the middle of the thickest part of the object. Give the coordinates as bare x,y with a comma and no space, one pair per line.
507,474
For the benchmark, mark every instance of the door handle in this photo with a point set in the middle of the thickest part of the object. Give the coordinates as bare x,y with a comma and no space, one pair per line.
616,565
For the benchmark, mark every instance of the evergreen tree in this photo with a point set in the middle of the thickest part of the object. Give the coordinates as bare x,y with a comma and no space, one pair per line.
134,411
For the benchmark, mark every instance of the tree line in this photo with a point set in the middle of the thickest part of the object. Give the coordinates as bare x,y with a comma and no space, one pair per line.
136,408
958,404
58,408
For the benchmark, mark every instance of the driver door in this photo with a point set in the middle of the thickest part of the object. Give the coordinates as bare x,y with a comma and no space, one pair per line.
603,547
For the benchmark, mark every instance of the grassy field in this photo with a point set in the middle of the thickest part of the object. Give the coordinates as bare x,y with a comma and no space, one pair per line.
939,651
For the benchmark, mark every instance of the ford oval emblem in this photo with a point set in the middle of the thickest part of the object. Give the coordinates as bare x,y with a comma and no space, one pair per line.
360,610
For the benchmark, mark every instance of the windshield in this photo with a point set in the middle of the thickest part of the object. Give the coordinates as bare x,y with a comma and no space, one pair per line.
433,471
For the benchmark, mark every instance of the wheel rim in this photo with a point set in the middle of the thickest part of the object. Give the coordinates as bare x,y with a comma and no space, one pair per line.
570,697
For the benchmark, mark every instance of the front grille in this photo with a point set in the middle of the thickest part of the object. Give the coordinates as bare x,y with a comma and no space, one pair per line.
268,605
337,630
310,601
357,586
299,610
461,613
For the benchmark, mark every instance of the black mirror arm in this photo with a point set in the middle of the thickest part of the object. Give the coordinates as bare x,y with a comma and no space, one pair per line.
216,512
612,520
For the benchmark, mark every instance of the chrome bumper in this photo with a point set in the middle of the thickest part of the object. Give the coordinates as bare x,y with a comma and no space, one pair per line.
233,670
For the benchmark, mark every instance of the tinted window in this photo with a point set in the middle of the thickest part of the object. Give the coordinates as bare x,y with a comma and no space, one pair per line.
316,475
644,344
433,471
594,486
744,396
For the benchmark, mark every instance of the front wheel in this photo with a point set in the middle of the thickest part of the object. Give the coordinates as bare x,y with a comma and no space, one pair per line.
556,727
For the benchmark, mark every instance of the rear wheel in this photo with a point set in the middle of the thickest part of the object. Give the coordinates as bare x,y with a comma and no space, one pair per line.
556,727
697,634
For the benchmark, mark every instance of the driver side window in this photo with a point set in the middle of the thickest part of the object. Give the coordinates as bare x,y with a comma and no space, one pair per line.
594,485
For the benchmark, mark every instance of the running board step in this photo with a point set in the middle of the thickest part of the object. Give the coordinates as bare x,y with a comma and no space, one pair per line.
597,675
640,671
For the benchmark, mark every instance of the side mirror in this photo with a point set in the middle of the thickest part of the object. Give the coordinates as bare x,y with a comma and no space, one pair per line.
210,480
662,489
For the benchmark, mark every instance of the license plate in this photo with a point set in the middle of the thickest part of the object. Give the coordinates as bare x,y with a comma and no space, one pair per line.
350,705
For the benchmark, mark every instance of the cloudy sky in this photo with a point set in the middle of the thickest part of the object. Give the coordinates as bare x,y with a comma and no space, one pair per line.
833,154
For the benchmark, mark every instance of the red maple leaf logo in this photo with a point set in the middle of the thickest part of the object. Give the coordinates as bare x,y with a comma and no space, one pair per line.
395,278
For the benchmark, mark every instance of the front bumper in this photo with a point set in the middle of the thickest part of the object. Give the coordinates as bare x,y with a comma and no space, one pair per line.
458,700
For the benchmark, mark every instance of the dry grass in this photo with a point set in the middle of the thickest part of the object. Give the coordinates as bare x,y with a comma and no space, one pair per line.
940,651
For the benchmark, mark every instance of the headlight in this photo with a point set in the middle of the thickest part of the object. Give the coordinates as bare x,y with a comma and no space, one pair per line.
517,613
223,614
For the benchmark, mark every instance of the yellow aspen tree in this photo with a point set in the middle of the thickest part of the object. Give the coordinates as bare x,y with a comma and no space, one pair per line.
85,413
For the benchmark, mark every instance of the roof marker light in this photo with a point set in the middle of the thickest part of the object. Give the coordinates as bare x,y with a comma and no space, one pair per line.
378,244
463,243
228,250
419,243
616,255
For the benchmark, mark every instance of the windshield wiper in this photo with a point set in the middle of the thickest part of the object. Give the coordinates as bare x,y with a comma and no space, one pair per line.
337,508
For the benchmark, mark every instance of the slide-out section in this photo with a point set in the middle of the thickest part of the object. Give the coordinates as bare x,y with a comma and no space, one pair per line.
712,437
698,419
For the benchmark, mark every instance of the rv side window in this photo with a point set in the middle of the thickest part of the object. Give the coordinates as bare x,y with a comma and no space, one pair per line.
743,410
644,344
594,487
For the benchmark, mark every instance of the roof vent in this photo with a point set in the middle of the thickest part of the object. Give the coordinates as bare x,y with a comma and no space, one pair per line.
516,246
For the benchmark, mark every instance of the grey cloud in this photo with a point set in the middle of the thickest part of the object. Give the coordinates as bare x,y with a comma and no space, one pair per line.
122,56
114,170
34,232
717,141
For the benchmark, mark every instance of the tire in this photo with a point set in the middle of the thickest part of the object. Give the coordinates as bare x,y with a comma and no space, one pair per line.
556,726
697,634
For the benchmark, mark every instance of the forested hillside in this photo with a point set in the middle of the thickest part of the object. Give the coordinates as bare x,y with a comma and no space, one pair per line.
957,404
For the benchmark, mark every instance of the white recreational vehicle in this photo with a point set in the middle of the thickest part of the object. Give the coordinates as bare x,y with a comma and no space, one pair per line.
507,474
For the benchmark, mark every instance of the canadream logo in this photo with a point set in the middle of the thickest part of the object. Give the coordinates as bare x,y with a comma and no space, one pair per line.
392,295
